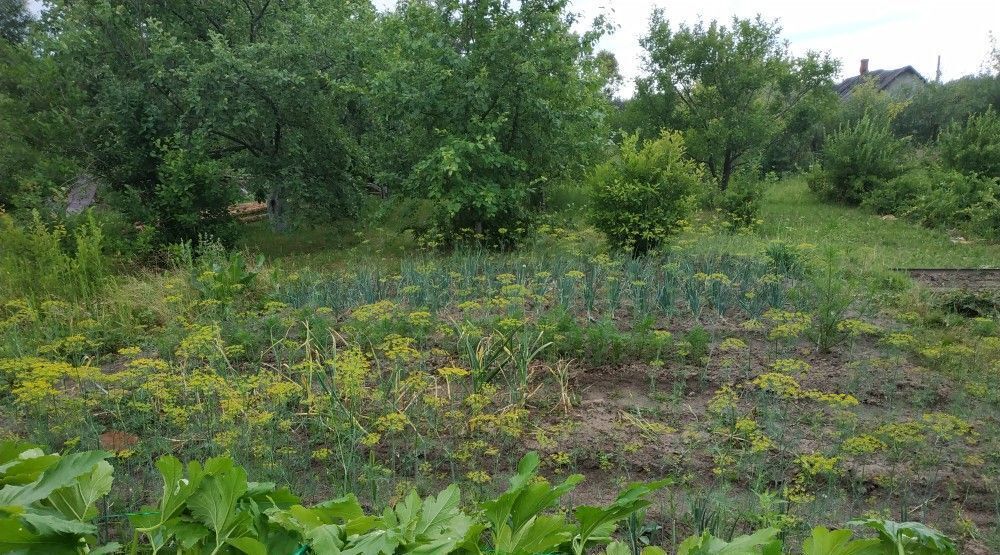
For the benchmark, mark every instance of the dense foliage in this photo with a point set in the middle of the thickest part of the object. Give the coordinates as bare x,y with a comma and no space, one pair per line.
180,110
645,193
975,146
51,503
737,87
856,159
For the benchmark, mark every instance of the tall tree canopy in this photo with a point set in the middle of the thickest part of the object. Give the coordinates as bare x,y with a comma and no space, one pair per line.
14,21
479,101
738,86
187,100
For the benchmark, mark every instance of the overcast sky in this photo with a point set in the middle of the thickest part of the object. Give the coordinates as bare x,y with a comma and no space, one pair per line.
892,33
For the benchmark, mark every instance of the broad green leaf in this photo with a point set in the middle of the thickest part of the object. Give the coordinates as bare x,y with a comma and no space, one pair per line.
378,542
910,537
439,511
78,500
629,501
16,539
214,504
408,514
706,544
63,473
13,451
327,538
52,525
27,468
343,509
249,546
838,542
538,535
618,548
538,496
189,534
652,550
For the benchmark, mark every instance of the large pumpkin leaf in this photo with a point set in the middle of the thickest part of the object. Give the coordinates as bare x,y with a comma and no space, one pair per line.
215,502
63,473
838,542
78,500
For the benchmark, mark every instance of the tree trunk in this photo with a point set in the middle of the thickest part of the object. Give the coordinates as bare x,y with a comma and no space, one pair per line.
276,210
727,171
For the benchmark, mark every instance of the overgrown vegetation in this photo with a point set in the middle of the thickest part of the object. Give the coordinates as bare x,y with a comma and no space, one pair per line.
473,258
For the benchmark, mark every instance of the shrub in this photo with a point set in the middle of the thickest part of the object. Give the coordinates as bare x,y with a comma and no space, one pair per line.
742,202
476,187
953,199
643,195
857,159
39,260
897,195
974,147
941,197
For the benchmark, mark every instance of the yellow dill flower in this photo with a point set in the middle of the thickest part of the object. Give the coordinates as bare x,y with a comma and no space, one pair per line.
382,310
723,400
781,384
371,440
902,433
393,422
814,464
855,327
946,426
478,477
731,344
419,318
790,366
453,372
862,445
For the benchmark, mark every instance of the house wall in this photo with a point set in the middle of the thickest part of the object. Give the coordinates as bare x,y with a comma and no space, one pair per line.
906,84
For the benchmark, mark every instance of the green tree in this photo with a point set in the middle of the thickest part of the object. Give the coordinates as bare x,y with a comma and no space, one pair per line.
14,21
737,85
267,92
39,142
480,102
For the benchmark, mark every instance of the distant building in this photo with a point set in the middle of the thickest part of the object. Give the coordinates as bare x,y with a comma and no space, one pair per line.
903,81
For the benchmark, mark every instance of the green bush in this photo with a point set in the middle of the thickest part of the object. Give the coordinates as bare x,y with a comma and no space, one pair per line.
898,195
974,147
742,201
644,194
38,261
941,197
476,188
857,159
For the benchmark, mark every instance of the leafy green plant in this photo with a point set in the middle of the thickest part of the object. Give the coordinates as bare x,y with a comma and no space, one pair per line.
517,523
763,541
212,508
975,146
908,538
856,159
48,502
414,525
838,542
644,194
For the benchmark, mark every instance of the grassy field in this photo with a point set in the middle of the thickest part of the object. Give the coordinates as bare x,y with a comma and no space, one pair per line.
771,387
